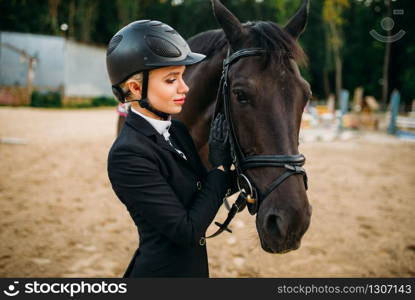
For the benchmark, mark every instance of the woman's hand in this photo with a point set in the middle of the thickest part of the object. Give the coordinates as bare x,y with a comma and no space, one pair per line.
219,148
222,168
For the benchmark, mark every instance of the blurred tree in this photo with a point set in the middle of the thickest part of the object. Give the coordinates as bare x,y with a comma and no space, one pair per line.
332,16
71,18
86,17
402,64
53,13
19,15
362,55
314,43
107,22
386,58
128,11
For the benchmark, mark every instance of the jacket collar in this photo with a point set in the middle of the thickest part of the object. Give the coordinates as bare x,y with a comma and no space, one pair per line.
140,124
144,127
161,126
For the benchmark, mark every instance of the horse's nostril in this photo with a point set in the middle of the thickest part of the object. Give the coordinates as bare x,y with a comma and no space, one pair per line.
271,225
276,226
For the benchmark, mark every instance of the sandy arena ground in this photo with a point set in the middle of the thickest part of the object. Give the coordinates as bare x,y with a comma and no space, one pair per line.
60,218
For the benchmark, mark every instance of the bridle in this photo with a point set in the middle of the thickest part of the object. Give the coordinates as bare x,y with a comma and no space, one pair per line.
250,195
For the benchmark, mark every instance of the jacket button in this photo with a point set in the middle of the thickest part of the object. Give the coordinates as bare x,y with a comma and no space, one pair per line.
199,185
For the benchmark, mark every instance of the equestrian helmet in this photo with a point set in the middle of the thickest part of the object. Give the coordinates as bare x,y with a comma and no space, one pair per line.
145,45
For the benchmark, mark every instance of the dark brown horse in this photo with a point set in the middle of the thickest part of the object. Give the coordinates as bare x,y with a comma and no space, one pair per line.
267,98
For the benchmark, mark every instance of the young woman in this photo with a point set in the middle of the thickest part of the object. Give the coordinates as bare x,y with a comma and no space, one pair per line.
153,165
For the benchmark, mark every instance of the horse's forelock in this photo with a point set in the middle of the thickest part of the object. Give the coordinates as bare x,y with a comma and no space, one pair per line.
276,41
266,34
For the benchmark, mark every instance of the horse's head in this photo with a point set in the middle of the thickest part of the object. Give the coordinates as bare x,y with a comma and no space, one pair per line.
267,98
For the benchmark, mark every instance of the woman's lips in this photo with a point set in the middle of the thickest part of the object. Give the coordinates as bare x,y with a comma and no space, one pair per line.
180,101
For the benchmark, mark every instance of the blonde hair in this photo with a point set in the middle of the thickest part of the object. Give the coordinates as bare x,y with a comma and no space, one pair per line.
124,86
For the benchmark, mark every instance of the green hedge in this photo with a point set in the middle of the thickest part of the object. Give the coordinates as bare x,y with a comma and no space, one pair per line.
46,99
103,101
54,99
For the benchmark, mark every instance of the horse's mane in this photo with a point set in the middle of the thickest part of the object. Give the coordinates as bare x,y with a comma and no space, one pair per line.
267,35
208,42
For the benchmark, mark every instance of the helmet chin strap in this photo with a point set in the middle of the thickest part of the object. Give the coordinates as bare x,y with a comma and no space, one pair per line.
144,103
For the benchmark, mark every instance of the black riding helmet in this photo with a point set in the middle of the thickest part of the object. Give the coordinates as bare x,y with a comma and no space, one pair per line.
141,46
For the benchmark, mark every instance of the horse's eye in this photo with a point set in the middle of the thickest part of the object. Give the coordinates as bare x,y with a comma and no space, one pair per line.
241,96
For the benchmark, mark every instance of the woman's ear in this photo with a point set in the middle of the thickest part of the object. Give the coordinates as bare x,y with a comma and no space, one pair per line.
135,88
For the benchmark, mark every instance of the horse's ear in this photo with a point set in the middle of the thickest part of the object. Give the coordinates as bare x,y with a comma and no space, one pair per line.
230,24
296,25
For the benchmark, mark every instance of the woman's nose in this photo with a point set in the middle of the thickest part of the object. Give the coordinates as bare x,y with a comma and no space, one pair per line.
183,88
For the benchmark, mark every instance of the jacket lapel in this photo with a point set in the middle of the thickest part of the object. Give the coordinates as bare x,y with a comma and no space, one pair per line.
140,124
191,159
144,127
165,145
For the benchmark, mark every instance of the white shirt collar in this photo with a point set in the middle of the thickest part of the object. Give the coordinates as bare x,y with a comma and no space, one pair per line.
161,126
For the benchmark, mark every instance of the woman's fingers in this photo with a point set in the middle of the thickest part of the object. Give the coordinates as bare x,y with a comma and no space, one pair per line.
220,128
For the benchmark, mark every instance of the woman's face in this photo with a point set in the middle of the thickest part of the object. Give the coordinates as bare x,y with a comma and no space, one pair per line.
167,90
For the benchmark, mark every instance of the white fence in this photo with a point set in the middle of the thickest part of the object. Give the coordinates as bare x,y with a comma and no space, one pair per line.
77,69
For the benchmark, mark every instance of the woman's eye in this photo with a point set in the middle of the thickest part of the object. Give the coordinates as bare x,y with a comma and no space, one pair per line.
241,96
171,80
